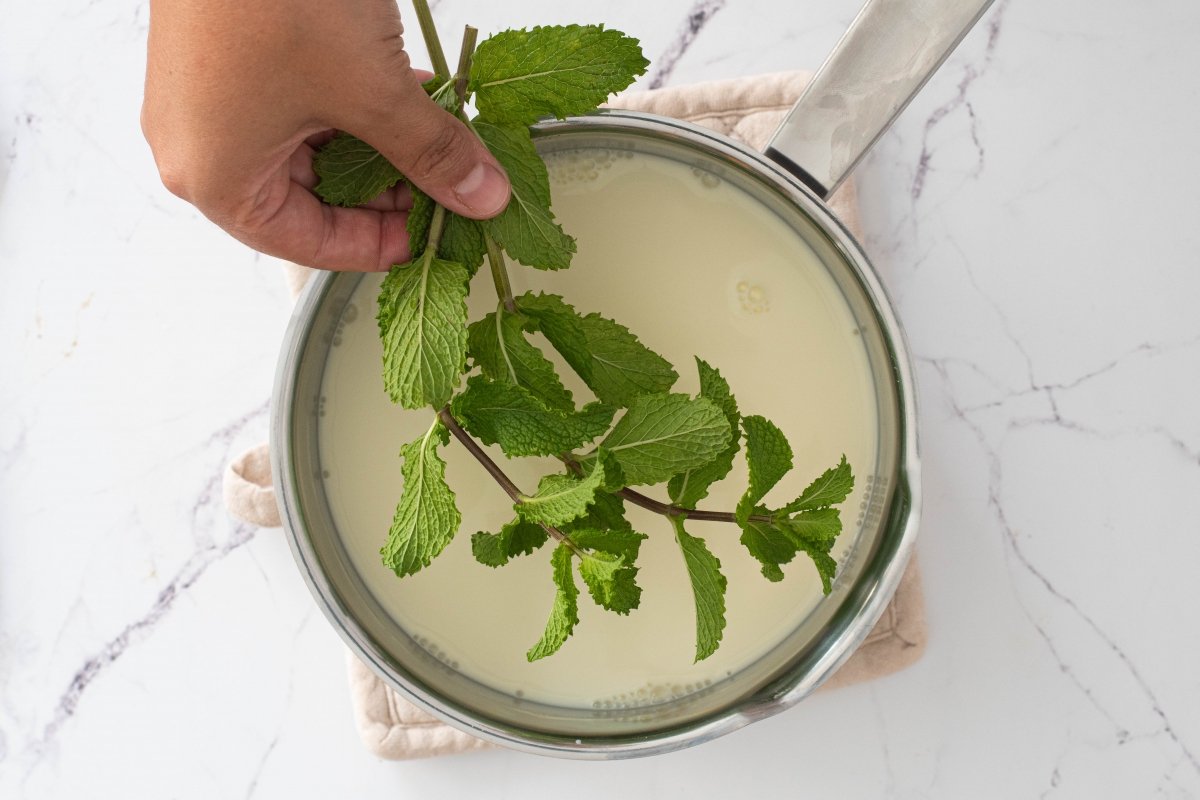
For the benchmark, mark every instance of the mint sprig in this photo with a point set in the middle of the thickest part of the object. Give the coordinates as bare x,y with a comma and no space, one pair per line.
513,396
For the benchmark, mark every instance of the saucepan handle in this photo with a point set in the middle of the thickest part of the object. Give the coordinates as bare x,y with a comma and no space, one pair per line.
881,63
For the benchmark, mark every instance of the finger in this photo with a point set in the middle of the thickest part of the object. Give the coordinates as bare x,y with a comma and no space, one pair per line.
303,229
438,153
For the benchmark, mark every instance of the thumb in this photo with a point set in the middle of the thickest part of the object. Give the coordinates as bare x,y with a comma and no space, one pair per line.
437,152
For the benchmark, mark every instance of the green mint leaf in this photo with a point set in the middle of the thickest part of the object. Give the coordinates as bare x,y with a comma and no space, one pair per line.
521,75
508,415
664,434
562,325
497,344
423,325
462,239
611,581
825,564
624,543
562,498
564,614
610,360
426,518
714,387
525,228
708,590
776,541
769,545
419,218
769,457
434,83
832,487
818,526
441,91
690,487
517,538
606,514
352,172
814,532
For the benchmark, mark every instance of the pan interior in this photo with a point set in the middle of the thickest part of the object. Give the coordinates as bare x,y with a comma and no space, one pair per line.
699,256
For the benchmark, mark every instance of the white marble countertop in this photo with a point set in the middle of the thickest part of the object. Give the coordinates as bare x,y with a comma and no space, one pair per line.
1033,215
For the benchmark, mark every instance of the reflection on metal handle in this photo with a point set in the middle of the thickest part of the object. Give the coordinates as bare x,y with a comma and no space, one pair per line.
880,64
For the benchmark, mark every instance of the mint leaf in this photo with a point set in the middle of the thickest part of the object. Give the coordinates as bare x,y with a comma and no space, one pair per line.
776,541
814,532
832,487
714,387
441,91
607,513
423,325
417,225
497,344
825,564
563,326
517,538
426,518
352,172
564,614
462,239
604,529
610,359
521,75
769,458
690,487
708,590
770,546
510,416
815,526
620,542
562,498
526,227
664,434
610,581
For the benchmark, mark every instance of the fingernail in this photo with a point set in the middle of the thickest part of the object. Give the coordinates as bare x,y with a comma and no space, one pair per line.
484,190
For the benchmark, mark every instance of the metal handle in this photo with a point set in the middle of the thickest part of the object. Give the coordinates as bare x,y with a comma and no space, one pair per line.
886,56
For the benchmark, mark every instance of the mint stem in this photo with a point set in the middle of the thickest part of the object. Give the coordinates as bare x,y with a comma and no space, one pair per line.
493,469
666,509
470,35
432,43
436,223
500,274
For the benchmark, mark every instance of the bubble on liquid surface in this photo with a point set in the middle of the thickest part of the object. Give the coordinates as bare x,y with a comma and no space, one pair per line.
651,694
706,178
578,167
753,298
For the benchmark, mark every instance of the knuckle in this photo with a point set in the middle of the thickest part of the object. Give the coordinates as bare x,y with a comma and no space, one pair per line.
446,153
173,176
254,212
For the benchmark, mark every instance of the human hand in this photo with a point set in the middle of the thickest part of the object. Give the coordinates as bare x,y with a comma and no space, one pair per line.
239,94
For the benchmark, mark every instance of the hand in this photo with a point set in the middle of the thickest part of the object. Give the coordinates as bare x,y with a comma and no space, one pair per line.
238,95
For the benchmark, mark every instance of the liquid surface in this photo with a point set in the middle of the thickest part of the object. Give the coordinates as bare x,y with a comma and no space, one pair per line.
692,267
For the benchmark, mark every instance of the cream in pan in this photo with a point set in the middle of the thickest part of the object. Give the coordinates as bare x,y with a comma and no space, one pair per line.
693,266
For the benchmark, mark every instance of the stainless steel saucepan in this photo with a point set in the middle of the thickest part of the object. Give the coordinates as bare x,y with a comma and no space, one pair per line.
889,52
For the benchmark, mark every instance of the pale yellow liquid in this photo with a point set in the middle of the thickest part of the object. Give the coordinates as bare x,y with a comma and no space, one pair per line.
712,276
